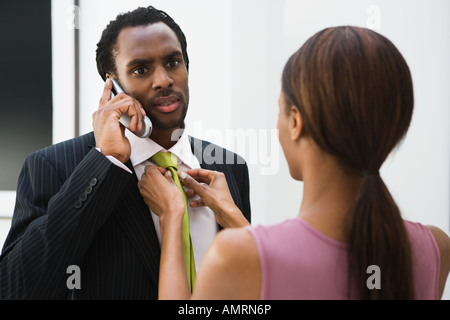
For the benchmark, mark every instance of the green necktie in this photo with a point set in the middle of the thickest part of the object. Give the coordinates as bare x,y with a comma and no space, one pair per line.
169,162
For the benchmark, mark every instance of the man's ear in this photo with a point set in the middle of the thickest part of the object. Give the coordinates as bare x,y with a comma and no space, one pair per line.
295,123
110,75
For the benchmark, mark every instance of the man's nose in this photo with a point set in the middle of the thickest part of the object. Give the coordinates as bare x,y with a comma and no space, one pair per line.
161,79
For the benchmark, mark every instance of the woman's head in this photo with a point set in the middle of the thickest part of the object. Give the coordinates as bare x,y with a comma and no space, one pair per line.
354,92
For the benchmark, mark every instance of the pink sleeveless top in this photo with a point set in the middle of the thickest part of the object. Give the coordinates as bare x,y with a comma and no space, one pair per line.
300,263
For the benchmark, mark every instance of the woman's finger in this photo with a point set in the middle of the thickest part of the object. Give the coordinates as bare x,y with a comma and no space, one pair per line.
197,203
201,175
192,184
190,193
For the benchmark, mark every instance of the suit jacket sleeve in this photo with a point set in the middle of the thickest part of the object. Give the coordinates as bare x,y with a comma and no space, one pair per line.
55,219
242,176
246,187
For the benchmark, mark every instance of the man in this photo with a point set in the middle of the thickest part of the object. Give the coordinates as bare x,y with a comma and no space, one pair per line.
78,206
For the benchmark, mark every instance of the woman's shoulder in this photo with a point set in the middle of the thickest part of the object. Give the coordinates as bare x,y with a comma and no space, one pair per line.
235,246
441,237
420,235
443,243
230,268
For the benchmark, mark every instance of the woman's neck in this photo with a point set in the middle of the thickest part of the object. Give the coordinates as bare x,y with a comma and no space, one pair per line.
328,194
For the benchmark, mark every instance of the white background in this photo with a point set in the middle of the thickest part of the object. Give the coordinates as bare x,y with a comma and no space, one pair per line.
237,49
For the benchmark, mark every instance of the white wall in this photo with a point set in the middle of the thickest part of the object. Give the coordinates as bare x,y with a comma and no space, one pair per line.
237,50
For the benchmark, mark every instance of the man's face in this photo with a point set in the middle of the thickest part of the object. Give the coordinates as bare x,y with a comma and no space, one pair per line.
151,68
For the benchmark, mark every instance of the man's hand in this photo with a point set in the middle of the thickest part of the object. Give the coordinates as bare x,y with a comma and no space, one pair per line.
109,133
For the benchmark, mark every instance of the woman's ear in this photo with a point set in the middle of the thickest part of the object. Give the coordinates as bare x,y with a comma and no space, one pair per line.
295,123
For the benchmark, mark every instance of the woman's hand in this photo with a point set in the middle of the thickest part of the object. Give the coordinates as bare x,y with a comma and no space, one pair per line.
212,187
160,193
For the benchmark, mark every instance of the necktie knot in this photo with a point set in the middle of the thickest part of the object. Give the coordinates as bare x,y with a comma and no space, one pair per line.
165,160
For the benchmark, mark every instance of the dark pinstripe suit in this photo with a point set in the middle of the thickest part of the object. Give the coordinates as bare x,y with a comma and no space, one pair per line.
74,207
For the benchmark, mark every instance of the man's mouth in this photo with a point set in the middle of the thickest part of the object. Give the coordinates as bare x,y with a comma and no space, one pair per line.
166,104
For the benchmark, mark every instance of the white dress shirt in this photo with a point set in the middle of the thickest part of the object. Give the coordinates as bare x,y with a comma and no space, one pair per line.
202,223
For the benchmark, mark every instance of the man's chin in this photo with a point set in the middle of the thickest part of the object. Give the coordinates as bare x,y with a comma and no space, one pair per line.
166,125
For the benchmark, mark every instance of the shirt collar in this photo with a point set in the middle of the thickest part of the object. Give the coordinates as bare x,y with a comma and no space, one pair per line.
144,149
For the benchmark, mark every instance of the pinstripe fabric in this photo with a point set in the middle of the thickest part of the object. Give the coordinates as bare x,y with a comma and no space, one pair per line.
74,207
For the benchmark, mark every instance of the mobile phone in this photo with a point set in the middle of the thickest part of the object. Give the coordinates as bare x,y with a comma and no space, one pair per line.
125,118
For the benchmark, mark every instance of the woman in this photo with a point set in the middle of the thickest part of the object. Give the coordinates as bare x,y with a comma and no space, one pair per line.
346,102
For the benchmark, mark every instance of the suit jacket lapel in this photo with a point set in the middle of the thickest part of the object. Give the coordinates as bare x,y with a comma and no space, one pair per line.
203,155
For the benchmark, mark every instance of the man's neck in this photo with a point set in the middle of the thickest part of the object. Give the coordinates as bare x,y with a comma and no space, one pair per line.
166,138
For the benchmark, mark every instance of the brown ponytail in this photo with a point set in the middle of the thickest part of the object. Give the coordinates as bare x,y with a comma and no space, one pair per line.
376,236
354,91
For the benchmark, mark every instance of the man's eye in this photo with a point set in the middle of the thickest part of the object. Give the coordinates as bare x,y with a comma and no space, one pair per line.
173,63
140,70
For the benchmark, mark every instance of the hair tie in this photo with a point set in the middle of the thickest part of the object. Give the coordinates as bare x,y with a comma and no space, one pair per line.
371,173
